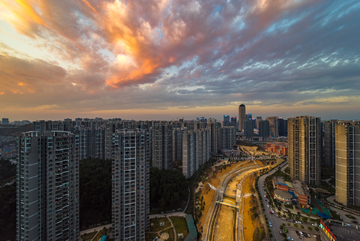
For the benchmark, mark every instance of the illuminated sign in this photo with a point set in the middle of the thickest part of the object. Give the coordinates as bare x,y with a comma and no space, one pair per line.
327,231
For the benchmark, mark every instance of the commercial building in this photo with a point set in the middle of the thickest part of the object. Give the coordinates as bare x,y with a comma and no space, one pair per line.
264,131
233,120
273,126
329,143
47,186
282,127
130,184
242,117
304,147
226,120
257,121
347,163
249,129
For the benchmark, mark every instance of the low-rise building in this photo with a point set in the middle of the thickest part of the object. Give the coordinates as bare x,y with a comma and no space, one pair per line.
298,190
279,148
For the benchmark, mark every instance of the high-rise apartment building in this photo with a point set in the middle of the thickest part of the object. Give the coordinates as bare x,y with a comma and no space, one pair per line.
47,192
273,126
177,144
162,153
304,147
190,162
264,129
203,145
249,129
130,184
347,163
213,127
242,117
282,127
196,151
329,143
227,138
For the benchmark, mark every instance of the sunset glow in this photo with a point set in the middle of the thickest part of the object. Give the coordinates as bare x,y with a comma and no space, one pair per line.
89,57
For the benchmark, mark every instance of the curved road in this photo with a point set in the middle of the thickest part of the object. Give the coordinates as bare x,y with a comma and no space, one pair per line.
213,205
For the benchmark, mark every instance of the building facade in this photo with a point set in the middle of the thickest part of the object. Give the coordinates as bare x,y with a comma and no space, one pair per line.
227,138
329,143
162,153
304,148
347,163
130,185
264,131
47,186
273,126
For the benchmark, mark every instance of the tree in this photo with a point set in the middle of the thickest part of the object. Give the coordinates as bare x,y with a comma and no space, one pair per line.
95,191
168,189
304,219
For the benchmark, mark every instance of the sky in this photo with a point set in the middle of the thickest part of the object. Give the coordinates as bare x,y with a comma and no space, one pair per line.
170,59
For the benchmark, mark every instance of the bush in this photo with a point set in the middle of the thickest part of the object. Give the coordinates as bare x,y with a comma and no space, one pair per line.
288,224
295,225
316,229
310,228
302,226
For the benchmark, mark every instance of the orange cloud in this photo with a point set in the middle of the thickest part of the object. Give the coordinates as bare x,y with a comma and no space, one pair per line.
134,75
89,5
22,15
21,84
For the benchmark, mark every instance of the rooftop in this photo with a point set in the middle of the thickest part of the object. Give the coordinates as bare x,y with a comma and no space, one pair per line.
283,194
298,187
343,233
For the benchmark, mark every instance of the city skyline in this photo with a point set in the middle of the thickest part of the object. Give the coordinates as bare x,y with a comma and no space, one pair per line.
181,59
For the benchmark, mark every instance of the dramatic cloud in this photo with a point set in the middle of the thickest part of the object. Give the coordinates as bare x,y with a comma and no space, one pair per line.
90,55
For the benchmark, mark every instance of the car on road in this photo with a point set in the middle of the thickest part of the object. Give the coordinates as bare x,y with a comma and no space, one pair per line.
270,224
298,222
353,221
268,206
290,238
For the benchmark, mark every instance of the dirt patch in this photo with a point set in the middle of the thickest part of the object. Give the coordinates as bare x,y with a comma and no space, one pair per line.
250,219
225,223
